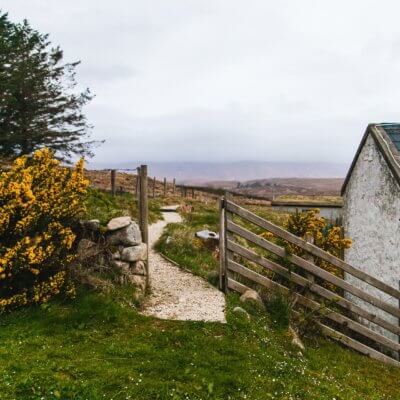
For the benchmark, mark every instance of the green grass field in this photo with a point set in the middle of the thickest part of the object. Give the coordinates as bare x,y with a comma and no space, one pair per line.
98,348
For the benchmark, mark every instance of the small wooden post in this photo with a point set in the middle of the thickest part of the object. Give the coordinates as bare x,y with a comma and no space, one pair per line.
154,187
137,183
222,244
113,181
165,187
310,239
137,191
144,213
173,186
228,235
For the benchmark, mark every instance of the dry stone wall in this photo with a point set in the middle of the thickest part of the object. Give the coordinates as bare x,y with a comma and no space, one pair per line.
120,249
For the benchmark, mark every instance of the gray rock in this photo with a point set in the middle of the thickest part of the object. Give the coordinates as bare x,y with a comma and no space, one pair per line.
87,249
138,268
242,312
127,236
134,253
173,208
296,338
207,235
251,296
118,223
91,225
121,266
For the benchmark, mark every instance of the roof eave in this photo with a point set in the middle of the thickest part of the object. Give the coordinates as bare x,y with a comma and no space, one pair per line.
353,163
386,147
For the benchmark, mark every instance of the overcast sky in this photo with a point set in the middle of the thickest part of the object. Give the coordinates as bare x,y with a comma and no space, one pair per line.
228,79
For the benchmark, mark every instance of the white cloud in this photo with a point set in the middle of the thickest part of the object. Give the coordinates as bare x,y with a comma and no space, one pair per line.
263,80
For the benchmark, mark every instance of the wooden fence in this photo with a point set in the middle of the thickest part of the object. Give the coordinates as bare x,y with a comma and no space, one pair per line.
342,319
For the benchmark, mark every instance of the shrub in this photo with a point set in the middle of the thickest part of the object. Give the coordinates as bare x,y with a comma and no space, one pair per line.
39,202
325,235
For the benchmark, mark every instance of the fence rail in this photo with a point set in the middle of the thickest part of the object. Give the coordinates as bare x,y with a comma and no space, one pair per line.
343,320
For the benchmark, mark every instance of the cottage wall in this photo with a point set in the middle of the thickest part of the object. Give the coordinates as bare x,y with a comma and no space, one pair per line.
371,215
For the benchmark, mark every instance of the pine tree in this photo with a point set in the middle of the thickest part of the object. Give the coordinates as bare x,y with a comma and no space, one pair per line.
39,106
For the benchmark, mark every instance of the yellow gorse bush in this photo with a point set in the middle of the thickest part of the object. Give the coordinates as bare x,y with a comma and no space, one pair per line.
325,235
39,203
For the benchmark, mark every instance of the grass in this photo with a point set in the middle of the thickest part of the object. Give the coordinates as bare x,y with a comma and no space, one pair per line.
102,205
99,347
96,348
179,243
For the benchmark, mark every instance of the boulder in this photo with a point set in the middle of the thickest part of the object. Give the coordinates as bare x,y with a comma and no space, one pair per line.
138,268
91,225
118,223
128,235
173,208
242,312
207,235
125,274
122,266
134,253
251,296
296,341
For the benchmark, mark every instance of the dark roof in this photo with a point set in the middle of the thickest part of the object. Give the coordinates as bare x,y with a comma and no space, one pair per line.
387,139
393,131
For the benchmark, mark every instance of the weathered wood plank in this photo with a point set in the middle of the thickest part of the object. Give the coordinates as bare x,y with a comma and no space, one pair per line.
222,244
113,181
335,335
326,312
238,287
144,213
355,345
312,286
310,267
314,250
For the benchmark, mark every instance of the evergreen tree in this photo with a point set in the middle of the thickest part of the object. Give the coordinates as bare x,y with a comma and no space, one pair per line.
39,106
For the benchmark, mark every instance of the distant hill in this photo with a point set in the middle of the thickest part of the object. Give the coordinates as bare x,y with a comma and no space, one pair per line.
200,172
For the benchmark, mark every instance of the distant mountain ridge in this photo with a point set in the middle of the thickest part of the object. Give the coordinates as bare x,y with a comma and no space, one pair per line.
238,171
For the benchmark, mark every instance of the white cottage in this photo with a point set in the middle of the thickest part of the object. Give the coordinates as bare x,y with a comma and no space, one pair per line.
371,211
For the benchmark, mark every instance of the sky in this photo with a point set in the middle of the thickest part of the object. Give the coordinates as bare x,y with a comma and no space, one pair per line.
227,80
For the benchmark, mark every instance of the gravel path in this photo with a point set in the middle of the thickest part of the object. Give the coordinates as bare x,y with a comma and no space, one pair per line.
177,294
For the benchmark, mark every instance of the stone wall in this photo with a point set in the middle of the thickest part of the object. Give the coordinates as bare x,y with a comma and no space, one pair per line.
120,250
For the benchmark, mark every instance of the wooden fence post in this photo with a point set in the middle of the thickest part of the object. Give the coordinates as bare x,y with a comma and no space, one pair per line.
228,236
113,181
310,239
144,213
173,186
222,245
137,183
165,187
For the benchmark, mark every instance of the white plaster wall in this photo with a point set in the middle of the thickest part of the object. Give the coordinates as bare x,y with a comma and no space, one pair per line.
371,216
